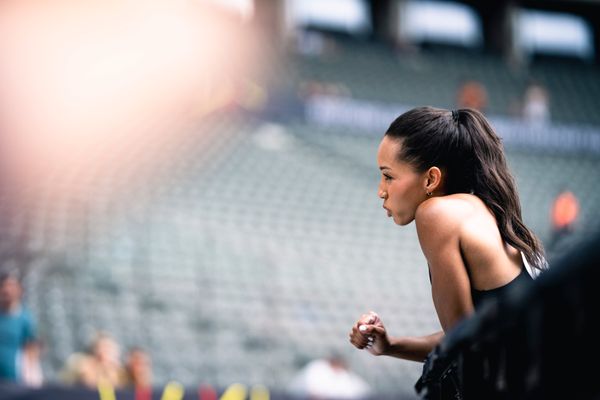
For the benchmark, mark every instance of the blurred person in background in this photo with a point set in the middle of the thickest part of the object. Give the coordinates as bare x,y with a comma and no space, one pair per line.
536,104
19,348
446,170
564,213
328,378
472,94
138,369
101,364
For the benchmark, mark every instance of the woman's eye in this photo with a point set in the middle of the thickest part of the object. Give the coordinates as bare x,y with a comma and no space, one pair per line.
387,177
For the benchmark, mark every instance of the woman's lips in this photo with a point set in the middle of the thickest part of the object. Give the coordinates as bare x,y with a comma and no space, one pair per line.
389,213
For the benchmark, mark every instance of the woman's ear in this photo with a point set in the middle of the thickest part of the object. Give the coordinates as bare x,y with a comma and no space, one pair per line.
433,180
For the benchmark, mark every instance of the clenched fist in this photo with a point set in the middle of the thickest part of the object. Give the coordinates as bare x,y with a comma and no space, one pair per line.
369,333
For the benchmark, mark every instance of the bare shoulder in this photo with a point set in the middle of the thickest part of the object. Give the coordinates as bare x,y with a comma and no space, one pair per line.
452,219
448,212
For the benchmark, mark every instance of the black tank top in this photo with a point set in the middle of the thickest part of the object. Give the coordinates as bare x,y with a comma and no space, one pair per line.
479,296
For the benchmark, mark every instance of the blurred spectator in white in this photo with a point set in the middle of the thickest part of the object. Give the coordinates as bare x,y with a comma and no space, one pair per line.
19,349
328,379
536,104
101,364
138,369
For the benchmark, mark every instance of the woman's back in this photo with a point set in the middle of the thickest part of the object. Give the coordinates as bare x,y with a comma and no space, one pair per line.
490,262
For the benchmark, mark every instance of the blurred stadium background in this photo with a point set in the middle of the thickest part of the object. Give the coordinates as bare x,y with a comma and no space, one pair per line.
199,178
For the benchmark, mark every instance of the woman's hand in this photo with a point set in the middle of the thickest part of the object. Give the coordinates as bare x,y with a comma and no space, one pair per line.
369,333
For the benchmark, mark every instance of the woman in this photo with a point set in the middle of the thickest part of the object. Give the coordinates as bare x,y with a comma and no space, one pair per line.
100,365
446,170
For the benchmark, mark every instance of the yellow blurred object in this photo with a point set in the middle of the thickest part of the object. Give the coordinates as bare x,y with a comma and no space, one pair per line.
237,391
173,391
260,392
106,391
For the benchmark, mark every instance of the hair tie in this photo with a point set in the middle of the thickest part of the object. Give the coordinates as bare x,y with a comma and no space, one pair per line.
455,115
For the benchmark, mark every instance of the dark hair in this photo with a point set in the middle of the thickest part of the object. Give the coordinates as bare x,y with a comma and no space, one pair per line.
465,147
9,274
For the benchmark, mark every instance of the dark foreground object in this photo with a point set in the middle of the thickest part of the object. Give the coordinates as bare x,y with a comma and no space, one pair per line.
540,341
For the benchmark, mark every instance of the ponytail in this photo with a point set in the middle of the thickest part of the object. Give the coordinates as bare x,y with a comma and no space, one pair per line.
496,187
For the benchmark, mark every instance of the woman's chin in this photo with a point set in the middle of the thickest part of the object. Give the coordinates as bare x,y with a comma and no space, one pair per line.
401,221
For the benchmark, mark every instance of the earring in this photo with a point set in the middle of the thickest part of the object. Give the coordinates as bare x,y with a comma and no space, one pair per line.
429,194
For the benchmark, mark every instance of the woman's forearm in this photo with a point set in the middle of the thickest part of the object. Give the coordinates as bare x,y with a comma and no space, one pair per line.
413,348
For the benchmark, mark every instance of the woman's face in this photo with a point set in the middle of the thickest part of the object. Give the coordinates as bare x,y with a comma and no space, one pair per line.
401,187
107,350
139,364
10,292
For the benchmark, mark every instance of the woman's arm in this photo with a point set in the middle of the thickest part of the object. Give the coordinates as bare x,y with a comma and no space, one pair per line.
439,223
413,348
31,370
